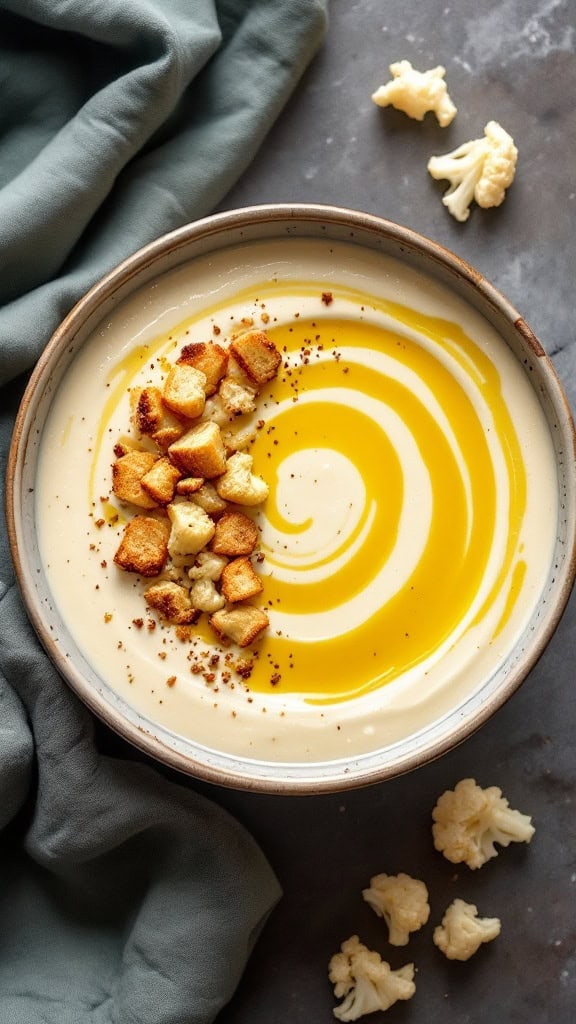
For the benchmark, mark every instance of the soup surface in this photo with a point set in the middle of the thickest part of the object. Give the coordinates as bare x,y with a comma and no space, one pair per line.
410,524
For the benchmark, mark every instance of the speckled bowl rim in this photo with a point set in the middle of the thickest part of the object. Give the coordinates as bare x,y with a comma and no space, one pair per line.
221,231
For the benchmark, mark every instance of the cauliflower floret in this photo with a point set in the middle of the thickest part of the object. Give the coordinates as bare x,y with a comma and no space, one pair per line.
204,596
239,484
462,932
236,440
481,169
403,903
207,566
237,398
366,981
215,411
191,529
468,820
416,92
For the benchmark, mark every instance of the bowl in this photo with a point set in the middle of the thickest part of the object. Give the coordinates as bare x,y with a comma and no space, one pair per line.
418,541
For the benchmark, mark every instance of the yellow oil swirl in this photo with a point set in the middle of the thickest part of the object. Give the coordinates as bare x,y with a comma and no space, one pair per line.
426,610
437,595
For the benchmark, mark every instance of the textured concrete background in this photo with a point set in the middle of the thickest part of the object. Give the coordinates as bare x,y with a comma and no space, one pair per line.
512,60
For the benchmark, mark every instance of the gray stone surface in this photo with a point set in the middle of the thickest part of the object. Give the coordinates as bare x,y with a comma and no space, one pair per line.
512,60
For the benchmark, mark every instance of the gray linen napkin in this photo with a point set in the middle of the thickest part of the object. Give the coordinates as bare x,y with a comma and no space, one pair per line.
124,898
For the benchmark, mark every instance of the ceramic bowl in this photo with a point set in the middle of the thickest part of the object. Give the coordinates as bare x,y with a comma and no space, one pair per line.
329,767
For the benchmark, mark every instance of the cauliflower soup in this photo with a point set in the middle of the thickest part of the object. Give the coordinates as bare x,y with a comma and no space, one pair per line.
410,526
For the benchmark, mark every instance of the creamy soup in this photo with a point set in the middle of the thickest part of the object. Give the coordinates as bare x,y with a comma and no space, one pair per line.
410,525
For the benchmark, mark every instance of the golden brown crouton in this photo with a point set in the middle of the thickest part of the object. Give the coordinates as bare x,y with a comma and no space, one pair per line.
169,432
235,535
236,398
257,355
184,391
160,481
241,624
201,451
148,409
124,445
144,546
172,601
153,419
189,485
239,581
127,474
208,357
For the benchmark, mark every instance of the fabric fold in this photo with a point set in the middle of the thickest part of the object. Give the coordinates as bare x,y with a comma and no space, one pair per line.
146,899
124,897
156,145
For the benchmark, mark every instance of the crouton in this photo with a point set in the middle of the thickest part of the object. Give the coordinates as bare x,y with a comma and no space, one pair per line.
239,484
235,535
167,434
236,398
184,391
200,452
188,485
170,429
160,481
207,566
205,597
148,409
209,499
239,581
257,355
241,624
172,601
208,357
151,418
126,444
144,546
191,529
127,474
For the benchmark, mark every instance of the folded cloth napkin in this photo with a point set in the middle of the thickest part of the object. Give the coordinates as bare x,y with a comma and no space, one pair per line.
123,897
121,120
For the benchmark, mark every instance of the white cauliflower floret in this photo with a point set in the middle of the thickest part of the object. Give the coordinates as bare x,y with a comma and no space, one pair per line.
239,484
207,566
236,440
205,597
481,169
207,497
215,411
191,529
468,820
462,932
366,981
416,92
403,903
237,398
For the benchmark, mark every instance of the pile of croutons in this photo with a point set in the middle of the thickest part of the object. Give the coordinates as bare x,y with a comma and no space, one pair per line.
190,473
